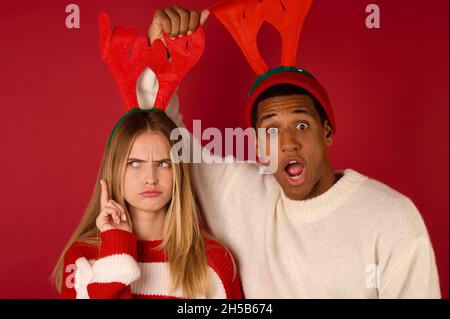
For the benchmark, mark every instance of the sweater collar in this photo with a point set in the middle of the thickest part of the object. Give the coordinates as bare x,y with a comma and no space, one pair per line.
313,209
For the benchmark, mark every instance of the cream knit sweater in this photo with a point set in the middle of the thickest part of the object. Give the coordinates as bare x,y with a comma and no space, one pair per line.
360,239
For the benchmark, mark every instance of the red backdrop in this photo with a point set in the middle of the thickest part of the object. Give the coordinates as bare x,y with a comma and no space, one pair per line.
389,88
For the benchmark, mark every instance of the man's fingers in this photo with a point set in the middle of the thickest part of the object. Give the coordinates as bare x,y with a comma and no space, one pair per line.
194,19
104,196
204,16
184,19
174,21
160,25
165,23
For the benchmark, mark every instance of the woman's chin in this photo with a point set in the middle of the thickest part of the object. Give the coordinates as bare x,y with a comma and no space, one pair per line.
148,206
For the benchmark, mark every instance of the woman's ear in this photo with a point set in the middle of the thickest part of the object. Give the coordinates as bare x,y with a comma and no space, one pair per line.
328,134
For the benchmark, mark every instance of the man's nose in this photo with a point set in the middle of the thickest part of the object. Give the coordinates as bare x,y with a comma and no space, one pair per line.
288,142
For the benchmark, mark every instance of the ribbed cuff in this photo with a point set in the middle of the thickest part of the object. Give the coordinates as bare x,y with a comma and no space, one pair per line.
116,241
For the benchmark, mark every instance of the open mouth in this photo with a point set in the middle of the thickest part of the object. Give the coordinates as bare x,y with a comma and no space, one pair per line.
295,172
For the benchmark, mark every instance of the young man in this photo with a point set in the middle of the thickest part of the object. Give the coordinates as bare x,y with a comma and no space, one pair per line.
307,231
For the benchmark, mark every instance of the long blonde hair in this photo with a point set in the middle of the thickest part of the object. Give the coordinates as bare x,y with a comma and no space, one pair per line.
183,241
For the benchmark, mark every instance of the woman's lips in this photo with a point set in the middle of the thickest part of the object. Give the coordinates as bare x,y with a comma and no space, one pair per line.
150,194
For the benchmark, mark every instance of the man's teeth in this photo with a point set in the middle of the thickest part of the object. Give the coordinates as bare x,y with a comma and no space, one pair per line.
292,162
296,176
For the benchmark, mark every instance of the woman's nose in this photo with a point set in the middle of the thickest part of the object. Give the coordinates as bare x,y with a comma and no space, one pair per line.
150,178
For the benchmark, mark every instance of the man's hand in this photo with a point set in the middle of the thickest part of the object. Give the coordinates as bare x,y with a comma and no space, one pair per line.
176,22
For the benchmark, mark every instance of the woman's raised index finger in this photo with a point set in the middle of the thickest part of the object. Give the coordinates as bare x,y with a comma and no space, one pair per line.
104,196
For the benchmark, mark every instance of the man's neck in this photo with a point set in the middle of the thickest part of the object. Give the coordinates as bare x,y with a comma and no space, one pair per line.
329,178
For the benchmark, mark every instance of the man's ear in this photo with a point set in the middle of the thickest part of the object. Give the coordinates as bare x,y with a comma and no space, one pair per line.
328,135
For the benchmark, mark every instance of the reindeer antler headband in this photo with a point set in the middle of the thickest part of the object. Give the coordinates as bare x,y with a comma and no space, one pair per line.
244,18
127,55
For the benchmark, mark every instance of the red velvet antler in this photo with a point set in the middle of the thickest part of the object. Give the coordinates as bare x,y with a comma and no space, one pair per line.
127,55
184,54
243,19
115,48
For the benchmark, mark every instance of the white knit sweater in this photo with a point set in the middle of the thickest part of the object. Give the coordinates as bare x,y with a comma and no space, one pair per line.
360,239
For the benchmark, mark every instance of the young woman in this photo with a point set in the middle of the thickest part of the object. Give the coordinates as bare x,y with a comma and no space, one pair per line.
140,236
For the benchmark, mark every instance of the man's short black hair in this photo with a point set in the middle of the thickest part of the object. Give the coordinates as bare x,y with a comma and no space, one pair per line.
286,90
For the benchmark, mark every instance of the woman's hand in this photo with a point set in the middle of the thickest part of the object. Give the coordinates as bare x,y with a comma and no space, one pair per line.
112,215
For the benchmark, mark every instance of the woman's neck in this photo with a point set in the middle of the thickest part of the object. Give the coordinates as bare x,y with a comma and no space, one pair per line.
148,225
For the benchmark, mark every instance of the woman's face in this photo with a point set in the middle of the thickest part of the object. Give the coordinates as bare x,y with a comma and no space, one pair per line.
148,176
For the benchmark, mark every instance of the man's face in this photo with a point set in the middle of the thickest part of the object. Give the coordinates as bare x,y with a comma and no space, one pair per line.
302,143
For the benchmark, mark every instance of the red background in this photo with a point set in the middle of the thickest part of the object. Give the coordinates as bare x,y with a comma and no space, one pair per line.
389,89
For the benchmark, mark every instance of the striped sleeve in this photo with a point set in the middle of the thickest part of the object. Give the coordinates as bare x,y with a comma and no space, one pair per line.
226,283
75,261
109,276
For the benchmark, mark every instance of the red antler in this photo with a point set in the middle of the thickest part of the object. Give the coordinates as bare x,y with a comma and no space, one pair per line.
243,18
127,55
184,54
115,47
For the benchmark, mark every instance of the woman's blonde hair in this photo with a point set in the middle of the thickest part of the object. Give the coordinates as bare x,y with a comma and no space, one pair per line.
183,242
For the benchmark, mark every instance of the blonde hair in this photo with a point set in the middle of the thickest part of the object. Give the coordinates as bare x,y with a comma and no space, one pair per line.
183,241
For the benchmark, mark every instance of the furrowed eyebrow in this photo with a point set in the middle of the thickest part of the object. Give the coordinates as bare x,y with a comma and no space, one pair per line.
132,159
164,160
135,159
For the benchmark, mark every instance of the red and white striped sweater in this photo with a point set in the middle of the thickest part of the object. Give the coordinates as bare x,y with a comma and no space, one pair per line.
125,267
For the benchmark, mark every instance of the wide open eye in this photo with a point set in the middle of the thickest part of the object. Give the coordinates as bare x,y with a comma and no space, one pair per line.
302,126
